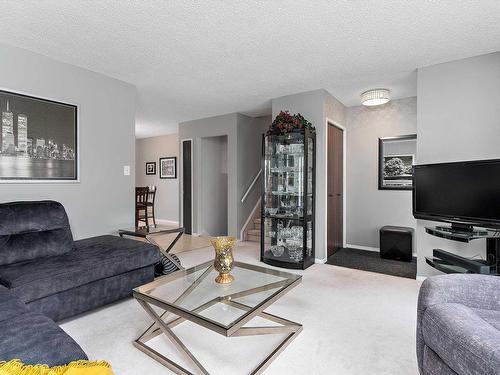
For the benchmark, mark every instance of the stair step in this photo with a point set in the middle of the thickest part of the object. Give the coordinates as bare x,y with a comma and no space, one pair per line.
251,238
256,221
254,232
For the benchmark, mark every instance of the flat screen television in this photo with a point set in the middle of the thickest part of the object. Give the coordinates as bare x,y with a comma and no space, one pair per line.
465,194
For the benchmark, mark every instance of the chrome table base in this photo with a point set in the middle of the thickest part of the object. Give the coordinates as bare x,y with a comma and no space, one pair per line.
291,329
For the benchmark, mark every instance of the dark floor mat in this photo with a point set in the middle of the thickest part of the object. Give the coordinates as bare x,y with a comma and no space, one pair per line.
371,261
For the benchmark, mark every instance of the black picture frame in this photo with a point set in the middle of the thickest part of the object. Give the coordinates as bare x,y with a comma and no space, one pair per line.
408,184
42,142
150,168
165,165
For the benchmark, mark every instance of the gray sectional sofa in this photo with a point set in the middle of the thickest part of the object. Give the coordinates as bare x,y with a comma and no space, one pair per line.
45,276
458,325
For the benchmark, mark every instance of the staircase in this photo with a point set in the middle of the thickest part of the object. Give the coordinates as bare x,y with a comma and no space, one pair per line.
253,232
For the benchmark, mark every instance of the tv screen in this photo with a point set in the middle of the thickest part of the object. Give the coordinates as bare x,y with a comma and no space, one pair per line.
462,192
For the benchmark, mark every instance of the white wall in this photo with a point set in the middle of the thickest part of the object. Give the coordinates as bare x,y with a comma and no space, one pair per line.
368,209
103,200
316,106
167,194
458,119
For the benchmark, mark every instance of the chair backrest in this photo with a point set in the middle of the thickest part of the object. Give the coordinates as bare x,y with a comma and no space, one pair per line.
152,194
33,229
141,194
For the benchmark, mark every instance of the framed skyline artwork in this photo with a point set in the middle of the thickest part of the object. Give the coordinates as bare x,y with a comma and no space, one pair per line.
38,139
168,167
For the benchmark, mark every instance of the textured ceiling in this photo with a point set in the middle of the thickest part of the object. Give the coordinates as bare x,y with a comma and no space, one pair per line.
192,59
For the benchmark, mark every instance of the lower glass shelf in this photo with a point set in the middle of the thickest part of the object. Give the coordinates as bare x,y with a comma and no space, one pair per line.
447,267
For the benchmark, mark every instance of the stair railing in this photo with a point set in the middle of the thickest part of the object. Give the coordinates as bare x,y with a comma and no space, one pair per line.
254,181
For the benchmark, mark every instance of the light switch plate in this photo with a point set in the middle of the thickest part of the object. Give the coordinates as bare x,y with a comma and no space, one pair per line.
126,170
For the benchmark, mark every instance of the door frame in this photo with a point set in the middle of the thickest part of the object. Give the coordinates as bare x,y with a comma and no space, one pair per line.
330,122
181,195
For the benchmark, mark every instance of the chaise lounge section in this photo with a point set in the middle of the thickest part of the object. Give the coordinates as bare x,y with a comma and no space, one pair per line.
45,276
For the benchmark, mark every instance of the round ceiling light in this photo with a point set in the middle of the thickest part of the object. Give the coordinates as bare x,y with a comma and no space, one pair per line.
375,97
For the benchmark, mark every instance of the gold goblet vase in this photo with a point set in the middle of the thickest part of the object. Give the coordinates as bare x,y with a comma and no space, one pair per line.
224,260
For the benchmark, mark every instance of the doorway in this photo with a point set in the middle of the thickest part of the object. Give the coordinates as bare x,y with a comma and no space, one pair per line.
187,186
335,189
214,189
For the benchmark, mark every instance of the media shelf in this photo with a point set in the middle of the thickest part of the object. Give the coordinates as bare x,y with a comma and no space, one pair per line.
461,236
452,263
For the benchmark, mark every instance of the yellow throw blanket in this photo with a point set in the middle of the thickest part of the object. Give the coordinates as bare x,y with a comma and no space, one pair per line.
16,367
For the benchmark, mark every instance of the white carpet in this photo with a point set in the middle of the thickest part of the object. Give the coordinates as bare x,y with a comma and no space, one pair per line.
355,322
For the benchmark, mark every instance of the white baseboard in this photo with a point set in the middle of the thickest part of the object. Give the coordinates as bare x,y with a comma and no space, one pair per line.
368,248
421,278
320,261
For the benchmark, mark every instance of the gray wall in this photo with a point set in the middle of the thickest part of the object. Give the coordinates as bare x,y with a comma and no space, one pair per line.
458,119
249,157
214,193
243,152
316,106
103,200
167,195
368,208
212,127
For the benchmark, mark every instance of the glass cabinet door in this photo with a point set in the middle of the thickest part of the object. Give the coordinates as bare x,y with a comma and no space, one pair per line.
287,200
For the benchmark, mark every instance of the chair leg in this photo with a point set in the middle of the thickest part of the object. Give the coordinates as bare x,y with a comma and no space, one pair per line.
153,212
136,218
146,218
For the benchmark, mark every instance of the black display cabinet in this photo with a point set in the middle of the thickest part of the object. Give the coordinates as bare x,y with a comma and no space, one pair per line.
288,204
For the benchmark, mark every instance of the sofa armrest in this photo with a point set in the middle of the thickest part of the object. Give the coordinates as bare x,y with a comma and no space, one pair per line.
474,291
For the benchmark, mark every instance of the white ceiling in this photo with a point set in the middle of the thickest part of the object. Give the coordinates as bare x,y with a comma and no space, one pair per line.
192,59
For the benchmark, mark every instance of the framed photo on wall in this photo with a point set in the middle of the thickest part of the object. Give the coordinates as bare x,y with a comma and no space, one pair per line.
396,160
38,139
168,167
151,168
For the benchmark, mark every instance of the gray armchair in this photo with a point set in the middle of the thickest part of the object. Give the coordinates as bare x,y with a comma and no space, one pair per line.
458,325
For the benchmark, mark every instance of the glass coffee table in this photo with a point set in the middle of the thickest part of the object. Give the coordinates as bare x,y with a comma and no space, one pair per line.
193,295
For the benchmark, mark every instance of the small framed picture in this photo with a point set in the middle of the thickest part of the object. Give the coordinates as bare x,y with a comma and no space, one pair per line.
168,167
151,168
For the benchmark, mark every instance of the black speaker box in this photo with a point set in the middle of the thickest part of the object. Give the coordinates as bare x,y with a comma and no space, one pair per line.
396,243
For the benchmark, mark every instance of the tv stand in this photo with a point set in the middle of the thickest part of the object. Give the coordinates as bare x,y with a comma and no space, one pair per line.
453,263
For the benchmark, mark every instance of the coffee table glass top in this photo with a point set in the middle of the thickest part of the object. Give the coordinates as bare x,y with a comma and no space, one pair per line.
195,291
143,231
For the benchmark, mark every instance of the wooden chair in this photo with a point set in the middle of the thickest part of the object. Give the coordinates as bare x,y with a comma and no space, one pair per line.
141,199
151,202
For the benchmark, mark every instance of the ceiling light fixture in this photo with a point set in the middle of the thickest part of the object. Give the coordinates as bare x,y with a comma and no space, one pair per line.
375,97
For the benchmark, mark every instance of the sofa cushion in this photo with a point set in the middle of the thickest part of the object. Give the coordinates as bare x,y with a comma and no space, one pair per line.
31,230
462,339
490,316
10,306
92,259
34,338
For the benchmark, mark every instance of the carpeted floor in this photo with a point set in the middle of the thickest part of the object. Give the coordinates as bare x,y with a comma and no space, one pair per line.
355,322
371,261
